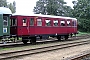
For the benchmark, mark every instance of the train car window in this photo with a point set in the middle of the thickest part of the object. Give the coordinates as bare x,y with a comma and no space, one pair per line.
5,20
39,22
13,22
24,22
31,21
62,23
68,23
73,23
10,22
55,22
48,22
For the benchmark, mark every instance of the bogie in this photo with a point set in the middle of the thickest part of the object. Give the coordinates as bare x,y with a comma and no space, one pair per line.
24,40
59,38
33,40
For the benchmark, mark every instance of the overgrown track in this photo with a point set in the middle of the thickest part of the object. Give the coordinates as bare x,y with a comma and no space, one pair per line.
82,56
41,42
13,54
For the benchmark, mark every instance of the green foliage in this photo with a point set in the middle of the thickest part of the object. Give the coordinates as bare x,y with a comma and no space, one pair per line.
82,33
82,11
82,8
12,7
84,25
52,7
4,3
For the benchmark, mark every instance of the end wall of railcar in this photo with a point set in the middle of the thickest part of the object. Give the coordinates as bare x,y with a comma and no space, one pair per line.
4,25
1,25
13,26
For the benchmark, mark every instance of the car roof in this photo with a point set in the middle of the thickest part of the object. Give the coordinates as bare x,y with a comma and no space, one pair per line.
4,10
48,16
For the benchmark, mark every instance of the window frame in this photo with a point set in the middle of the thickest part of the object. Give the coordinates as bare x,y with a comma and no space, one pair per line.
40,21
61,23
30,21
5,21
57,23
69,23
24,23
12,22
74,23
46,23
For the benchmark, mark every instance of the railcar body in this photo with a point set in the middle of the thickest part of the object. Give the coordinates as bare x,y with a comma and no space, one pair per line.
4,22
32,26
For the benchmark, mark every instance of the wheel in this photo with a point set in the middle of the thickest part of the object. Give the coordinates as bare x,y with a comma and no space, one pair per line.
25,41
66,37
71,35
40,37
33,40
59,38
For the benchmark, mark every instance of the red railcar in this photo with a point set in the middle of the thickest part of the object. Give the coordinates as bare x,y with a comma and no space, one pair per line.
32,26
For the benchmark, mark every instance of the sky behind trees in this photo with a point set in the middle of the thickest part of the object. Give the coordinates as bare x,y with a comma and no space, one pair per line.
27,6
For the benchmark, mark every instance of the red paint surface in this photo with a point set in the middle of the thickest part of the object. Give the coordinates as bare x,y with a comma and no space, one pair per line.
32,30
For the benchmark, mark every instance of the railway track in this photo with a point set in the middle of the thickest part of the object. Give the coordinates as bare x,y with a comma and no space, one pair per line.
20,44
82,56
13,54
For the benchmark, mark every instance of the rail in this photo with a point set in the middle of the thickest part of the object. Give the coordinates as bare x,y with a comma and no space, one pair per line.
13,54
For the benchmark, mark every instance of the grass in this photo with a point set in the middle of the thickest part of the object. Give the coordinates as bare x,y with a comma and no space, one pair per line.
25,47
12,39
82,33
15,48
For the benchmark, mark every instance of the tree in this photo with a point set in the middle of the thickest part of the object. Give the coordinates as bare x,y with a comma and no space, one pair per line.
82,12
52,7
12,6
82,8
3,3
68,11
